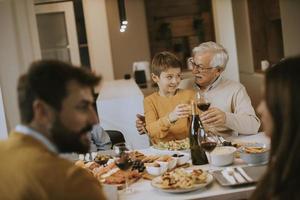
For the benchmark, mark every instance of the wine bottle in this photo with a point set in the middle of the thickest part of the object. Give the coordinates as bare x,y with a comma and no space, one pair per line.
197,153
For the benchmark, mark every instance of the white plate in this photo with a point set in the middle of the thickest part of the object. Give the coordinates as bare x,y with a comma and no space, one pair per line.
209,179
168,152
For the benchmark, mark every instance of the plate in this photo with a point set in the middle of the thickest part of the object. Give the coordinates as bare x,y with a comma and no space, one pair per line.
167,151
209,179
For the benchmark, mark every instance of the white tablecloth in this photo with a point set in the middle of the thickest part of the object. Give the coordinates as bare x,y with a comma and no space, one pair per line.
144,191
118,103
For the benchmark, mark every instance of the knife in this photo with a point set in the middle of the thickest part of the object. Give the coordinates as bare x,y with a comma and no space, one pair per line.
236,176
244,174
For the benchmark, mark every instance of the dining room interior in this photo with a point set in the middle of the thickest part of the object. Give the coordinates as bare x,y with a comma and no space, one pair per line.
253,33
118,39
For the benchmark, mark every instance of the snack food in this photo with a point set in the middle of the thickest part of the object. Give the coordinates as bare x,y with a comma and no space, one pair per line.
174,145
180,178
255,149
102,159
120,176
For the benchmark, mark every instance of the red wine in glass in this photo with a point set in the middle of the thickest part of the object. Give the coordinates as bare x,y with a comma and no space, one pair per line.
208,146
124,162
203,106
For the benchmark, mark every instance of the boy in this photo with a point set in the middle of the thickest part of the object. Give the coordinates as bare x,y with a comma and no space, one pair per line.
167,111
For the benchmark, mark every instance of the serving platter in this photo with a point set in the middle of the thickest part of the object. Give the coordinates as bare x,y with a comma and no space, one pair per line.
155,184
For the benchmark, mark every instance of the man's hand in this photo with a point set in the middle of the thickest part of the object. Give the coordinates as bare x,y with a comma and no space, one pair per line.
180,111
140,124
213,117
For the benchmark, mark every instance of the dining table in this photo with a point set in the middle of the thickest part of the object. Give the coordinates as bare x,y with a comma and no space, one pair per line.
143,190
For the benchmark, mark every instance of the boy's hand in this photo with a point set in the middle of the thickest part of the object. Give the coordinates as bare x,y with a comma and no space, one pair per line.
140,124
180,111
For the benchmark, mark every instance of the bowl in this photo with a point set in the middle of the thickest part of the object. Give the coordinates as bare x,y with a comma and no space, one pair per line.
172,163
163,164
259,155
182,158
156,169
222,156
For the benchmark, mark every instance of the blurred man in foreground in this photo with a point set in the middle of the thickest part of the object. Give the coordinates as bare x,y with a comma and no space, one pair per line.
56,106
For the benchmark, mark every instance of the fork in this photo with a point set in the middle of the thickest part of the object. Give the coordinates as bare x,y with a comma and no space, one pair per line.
236,175
231,173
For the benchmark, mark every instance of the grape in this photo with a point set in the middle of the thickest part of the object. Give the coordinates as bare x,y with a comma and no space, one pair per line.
138,165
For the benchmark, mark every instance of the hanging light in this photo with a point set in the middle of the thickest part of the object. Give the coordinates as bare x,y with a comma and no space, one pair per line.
122,15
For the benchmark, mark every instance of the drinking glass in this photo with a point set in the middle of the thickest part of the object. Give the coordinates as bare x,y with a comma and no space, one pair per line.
202,101
208,143
123,161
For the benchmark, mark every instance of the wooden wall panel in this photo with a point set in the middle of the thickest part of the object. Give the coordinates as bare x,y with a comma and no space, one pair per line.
172,25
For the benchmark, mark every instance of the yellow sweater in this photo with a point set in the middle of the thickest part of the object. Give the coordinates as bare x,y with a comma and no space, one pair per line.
157,109
28,170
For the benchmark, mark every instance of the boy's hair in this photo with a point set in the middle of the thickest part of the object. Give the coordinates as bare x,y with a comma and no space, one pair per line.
162,61
47,80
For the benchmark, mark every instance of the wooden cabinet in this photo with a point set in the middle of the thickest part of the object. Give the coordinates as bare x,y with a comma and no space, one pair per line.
178,26
266,31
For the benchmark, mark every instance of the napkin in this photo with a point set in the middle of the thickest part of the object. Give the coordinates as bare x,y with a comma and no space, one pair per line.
239,177
249,179
228,177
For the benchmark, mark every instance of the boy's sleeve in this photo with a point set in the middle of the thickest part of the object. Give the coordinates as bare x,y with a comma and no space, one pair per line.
156,127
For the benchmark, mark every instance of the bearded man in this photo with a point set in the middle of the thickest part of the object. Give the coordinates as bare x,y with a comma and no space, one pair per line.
56,106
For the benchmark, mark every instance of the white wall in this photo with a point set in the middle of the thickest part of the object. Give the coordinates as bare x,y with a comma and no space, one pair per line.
98,37
19,46
225,35
243,37
131,45
290,19
251,80
3,126
290,29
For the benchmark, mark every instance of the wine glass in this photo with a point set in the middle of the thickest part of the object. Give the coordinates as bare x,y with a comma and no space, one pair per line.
208,143
202,101
123,161
203,104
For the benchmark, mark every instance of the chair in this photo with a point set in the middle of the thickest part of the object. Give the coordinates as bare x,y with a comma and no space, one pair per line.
115,137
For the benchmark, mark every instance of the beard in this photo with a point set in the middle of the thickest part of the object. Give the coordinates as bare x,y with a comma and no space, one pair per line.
68,141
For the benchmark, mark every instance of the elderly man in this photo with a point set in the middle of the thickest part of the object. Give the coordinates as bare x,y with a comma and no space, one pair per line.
231,110
56,106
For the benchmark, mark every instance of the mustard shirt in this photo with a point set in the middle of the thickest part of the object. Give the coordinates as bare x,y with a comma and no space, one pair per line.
28,170
157,109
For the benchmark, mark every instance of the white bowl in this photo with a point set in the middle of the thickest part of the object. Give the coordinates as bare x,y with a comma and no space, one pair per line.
172,163
182,159
164,164
222,156
156,171
255,158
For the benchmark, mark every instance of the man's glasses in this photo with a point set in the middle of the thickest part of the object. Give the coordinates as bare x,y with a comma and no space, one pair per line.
200,67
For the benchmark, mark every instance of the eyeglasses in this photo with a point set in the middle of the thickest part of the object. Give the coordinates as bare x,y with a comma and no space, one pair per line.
199,67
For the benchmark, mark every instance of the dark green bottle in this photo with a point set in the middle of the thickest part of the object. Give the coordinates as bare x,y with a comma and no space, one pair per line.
197,153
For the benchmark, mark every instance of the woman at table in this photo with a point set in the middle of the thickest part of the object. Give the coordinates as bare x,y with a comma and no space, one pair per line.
280,114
